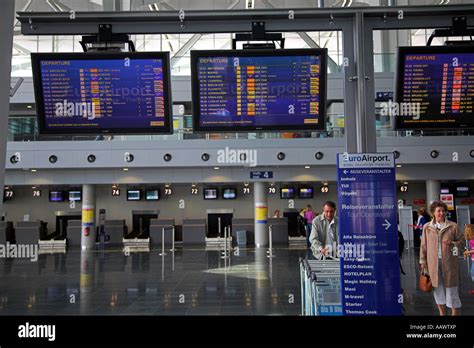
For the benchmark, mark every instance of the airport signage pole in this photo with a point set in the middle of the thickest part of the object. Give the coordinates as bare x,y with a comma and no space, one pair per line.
368,235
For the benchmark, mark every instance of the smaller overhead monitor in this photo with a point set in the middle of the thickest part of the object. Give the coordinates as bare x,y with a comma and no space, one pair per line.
445,190
152,195
75,195
210,193
134,195
287,193
229,193
462,190
56,196
305,192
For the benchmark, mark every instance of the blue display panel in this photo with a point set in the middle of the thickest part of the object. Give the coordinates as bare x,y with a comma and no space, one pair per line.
56,196
75,196
229,193
287,193
435,87
80,93
210,193
368,234
258,90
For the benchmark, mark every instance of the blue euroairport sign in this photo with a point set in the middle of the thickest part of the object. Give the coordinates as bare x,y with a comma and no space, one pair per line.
367,212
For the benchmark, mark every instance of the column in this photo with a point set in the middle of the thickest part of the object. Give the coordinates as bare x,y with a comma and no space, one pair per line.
261,213
7,17
88,217
86,283
433,188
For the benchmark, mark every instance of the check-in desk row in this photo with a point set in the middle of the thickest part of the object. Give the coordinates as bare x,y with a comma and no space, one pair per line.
193,231
25,232
279,229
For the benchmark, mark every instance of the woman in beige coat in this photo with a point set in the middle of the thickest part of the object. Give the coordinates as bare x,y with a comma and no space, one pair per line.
441,243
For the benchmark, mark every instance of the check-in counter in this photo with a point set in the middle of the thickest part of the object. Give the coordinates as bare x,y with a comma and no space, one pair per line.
279,230
7,232
156,227
116,229
29,232
194,231
244,224
73,233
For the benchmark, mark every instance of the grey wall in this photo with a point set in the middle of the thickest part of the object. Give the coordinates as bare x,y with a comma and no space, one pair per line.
119,208
195,206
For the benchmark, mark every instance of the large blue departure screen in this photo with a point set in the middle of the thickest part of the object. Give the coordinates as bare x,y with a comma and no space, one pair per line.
435,87
265,91
123,94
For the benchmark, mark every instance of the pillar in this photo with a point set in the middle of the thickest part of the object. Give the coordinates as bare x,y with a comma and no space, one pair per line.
261,213
433,188
86,283
88,217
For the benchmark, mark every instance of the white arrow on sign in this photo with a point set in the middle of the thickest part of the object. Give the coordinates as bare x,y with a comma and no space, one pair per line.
387,224
345,171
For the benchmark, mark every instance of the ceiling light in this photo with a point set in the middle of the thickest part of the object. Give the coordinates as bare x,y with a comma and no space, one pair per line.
125,169
216,168
307,167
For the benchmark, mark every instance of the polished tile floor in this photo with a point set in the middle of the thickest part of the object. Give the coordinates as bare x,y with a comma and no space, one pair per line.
420,303
191,281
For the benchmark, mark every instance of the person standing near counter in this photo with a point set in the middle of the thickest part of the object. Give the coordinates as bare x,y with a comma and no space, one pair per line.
323,237
441,244
308,219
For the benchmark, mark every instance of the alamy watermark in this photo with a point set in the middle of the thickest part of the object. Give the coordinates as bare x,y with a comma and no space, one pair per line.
348,251
395,109
237,156
19,251
70,109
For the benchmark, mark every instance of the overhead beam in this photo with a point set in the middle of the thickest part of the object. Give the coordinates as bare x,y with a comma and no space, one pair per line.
224,21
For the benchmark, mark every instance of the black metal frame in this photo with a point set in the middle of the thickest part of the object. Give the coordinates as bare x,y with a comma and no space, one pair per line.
465,121
195,55
36,58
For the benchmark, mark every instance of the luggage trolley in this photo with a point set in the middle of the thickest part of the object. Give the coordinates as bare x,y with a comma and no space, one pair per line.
320,287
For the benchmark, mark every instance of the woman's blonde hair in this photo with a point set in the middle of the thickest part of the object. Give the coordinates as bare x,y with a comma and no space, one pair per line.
469,232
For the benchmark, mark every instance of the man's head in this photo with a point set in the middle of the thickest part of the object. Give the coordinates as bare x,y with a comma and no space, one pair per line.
308,207
329,209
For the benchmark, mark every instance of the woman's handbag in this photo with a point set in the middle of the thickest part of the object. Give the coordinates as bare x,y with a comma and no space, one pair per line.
425,282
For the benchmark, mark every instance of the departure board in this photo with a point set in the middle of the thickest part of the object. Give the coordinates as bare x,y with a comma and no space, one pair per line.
253,90
102,92
435,87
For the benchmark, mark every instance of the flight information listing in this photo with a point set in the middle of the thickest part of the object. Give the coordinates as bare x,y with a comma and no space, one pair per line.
98,94
260,91
441,86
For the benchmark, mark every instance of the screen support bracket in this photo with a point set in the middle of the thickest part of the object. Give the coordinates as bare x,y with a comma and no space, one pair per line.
258,34
105,40
459,28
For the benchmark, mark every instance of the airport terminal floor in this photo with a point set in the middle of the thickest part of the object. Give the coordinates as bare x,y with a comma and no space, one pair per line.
193,281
